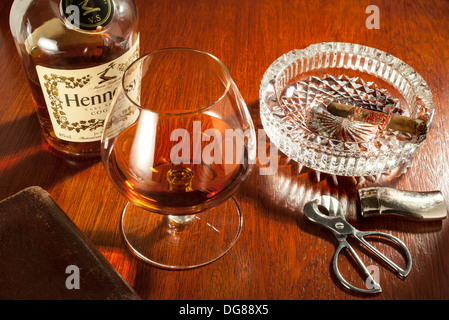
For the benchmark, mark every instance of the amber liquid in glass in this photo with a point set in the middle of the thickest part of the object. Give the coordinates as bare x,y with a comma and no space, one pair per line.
143,171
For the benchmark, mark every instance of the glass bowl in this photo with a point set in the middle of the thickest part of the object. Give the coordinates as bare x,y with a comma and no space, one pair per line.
297,87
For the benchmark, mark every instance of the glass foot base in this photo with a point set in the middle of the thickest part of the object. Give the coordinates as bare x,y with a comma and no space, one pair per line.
181,242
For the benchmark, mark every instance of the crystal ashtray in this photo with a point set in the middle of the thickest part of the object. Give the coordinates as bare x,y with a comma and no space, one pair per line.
298,86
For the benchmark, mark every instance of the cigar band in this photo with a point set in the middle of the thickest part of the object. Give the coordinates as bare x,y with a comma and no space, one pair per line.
371,117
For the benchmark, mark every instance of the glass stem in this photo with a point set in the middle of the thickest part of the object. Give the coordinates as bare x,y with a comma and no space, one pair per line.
180,179
181,219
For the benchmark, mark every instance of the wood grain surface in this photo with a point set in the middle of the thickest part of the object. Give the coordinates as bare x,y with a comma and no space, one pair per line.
280,254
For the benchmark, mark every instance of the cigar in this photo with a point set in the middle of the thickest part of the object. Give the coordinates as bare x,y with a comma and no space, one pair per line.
381,119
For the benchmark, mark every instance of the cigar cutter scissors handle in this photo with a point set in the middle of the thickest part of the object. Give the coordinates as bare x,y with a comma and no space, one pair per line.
336,222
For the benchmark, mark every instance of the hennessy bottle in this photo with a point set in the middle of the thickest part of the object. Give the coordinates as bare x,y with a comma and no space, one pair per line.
74,53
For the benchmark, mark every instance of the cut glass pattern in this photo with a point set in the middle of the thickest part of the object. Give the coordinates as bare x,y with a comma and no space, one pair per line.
297,87
306,102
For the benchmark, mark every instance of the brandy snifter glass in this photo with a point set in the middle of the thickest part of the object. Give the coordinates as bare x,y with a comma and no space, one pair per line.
177,143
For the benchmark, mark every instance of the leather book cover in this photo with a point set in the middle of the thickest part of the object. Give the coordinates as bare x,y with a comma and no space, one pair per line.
44,256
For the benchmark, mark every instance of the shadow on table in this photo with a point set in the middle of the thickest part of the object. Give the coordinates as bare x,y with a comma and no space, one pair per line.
285,192
26,160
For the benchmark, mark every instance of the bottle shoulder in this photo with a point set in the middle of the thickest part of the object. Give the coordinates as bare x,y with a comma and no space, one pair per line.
33,20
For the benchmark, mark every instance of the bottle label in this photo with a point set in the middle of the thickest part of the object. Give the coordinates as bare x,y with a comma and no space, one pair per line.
88,14
79,100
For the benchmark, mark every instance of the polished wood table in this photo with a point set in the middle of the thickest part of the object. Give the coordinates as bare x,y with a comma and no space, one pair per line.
280,254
